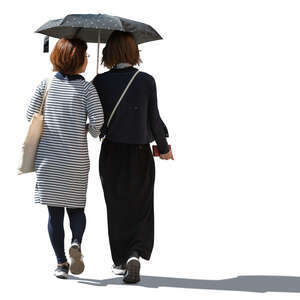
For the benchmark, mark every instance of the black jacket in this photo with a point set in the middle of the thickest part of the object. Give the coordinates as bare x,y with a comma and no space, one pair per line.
137,119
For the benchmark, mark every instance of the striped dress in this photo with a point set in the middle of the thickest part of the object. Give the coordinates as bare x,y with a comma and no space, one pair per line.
62,162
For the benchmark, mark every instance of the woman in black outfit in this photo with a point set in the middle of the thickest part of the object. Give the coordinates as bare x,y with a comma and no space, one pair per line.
126,163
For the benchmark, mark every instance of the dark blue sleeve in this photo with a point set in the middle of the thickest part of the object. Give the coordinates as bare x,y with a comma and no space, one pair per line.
158,128
95,82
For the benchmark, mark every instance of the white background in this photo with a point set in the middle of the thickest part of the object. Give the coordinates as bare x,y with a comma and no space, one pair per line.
228,85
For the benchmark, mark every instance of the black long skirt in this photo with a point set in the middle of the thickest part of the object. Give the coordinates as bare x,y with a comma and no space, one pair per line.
127,173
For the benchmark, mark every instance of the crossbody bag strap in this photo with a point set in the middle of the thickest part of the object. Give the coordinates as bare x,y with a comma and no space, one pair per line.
45,95
120,99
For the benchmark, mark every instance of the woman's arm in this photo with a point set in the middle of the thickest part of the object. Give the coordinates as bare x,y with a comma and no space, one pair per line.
94,111
36,101
159,129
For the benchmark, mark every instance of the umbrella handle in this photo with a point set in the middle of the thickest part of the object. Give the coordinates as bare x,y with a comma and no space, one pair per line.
98,51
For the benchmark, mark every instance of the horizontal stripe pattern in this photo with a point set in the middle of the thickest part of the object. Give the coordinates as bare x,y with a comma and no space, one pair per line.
62,162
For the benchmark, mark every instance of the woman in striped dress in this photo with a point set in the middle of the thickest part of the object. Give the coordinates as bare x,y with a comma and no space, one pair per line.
62,161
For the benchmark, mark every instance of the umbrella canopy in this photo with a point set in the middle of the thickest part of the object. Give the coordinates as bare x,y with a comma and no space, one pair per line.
95,28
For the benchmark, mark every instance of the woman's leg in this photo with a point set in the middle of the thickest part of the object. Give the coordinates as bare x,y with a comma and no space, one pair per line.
77,223
56,232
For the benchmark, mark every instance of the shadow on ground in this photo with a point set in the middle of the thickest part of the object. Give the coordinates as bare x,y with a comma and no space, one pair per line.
258,284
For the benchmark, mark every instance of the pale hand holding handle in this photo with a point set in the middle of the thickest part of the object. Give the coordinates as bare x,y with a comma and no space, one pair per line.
167,156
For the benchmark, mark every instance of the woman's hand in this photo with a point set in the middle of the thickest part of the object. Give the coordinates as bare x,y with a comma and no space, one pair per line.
167,156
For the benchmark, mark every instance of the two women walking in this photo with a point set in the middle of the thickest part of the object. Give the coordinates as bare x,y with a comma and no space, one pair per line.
126,164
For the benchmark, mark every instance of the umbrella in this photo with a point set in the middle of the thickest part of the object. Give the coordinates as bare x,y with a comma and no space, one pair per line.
96,28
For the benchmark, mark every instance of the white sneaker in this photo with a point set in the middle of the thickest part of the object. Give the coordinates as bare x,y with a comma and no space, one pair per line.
77,264
62,271
119,270
133,267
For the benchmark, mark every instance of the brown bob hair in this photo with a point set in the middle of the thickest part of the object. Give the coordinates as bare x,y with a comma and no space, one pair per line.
121,47
68,55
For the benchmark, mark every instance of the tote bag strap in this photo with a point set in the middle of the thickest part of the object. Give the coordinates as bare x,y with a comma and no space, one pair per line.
45,95
120,99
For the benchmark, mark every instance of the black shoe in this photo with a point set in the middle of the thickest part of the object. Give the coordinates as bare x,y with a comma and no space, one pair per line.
132,274
77,265
62,271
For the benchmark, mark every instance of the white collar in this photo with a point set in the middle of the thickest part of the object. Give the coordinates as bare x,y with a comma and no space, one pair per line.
123,65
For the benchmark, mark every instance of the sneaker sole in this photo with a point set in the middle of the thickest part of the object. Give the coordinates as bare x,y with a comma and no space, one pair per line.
133,272
61,276
118,272
77,265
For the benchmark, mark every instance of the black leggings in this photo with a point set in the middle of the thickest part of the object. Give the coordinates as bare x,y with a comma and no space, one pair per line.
56,228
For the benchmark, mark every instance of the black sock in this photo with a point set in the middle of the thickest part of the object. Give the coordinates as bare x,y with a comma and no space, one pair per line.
134,254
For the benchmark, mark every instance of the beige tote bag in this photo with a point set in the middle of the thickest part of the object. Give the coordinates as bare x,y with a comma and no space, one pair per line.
33,137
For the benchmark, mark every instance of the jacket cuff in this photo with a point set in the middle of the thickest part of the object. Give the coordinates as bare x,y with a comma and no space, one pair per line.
163,146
